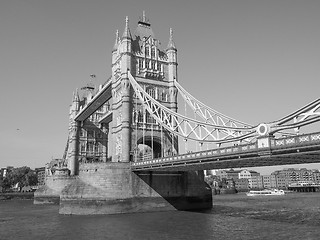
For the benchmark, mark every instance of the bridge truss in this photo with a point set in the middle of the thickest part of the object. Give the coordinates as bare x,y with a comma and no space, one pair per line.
216,127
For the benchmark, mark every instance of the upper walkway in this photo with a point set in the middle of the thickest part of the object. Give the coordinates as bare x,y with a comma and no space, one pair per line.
102,96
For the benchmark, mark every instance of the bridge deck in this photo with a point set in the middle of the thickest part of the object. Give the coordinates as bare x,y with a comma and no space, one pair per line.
291,150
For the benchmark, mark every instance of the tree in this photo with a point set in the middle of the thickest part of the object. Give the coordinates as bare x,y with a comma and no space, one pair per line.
24,176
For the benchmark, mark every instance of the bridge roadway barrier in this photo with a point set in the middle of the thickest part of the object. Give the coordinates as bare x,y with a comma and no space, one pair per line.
304,148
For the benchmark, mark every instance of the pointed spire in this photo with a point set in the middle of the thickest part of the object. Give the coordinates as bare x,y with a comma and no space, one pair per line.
143,16
116,43
143,20
75,97
126,33
171,44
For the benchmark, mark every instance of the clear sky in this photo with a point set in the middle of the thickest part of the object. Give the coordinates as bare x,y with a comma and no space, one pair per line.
253,60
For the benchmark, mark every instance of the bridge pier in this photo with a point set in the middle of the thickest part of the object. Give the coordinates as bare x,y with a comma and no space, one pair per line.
112,188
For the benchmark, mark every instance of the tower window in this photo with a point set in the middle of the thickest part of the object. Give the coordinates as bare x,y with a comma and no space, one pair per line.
147,51
90,134
90,147
153,52
164,96
140,116
83,147
151,92
148,64
140,63
96,148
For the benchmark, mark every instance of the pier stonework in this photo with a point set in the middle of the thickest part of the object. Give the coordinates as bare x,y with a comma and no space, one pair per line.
99,152
112,188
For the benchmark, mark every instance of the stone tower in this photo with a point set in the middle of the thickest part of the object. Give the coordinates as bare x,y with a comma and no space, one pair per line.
155,69
110,187
87,140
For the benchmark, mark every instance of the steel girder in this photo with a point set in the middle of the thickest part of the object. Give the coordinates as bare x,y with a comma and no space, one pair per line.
218,128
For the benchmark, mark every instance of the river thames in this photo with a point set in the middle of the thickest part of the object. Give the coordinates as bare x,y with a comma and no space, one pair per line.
292,216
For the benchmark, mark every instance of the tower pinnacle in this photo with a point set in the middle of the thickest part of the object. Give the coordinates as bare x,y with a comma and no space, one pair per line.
143,20
126,33
171,44
116,41
143,16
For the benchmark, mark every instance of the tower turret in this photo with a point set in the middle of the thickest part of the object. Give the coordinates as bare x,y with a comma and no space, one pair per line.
121,130
74,107
126,38
115,47
172,70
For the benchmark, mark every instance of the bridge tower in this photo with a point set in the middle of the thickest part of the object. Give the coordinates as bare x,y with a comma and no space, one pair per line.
108,187
135,134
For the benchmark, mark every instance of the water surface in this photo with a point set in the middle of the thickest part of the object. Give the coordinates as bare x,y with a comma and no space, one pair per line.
293,216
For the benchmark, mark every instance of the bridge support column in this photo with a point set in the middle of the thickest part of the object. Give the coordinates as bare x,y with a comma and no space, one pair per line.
126,118
105,130
73,161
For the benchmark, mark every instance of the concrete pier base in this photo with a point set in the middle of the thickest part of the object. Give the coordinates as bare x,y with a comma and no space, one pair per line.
51,191
111,188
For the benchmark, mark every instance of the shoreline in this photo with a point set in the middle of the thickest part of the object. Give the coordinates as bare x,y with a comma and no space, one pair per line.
17,195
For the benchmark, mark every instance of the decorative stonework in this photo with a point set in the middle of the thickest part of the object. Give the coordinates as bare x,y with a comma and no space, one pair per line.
263,129
119,145
119,119
315,137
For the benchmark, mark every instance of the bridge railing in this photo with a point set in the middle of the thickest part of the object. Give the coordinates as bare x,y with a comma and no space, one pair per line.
231,150
297,140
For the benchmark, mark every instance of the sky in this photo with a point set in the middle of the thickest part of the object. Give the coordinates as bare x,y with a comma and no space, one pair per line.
253,60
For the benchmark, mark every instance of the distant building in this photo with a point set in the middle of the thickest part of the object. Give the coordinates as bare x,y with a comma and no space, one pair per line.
247,174
4,171
241,184
236,174
40,175
293,175
269,181
316,176
281,182
280,179
243,179
255,182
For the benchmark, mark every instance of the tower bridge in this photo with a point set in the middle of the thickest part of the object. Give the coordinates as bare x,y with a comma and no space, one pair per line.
126,136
